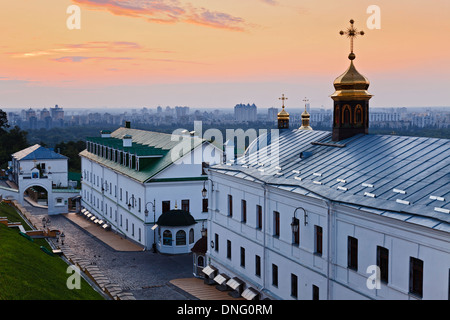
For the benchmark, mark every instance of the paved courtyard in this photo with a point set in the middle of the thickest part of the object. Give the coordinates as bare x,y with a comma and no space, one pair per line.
145,274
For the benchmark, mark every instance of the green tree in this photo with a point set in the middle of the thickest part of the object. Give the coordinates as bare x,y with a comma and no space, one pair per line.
11,140
71,150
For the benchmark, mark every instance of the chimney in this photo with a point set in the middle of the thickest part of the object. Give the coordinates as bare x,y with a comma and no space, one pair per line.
127,124
105,133
127,140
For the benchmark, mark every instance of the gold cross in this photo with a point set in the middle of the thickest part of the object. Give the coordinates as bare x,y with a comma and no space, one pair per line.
306,101
351,33
283,98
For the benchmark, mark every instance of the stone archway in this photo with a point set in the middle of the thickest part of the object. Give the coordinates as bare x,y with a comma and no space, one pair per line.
40,184
36,195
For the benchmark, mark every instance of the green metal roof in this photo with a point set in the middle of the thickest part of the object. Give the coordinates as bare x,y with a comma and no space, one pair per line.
145,143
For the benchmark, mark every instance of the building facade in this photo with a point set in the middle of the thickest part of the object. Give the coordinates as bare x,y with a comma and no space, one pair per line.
131,177
334,215
37,167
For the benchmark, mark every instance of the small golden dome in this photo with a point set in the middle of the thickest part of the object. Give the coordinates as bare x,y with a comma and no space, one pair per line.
305,121
283,114
351,84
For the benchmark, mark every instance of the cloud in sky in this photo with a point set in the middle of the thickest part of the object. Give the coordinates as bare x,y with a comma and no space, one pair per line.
167,11
83,58
271,2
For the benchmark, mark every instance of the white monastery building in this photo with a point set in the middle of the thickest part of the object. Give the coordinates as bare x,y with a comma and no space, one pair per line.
147,185
37,166
307,214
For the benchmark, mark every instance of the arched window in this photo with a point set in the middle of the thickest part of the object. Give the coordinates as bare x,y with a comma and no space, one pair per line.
336,115
167,238
358,114
191,236
181,238
346,114
200,261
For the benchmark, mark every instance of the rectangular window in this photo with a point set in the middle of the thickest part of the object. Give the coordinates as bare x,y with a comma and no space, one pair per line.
242,257
204,166
416,276
315,292
259,218
274,275
296,234
276,223
229,249
243,211
257,266
383,263
139,203
120,194
230,205
352,253
216,242
294,286
165,206
185,205
318,240
205,205
126,197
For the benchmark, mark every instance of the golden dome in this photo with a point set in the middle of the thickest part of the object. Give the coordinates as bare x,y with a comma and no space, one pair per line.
283,114
305,121
351,84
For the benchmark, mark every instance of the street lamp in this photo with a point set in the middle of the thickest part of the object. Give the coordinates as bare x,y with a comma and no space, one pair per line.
154,221
43,222
295,222
204,191
204,231
62,236
104,189
131,202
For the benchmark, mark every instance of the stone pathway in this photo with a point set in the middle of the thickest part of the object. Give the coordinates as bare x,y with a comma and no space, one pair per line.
140,275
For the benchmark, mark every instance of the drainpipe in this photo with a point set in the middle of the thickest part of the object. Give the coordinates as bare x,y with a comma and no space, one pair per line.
264,185
329,258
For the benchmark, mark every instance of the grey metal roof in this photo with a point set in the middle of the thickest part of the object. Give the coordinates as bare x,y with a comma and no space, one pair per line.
393,174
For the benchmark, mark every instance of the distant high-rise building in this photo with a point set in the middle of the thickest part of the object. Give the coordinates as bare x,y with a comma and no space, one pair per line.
245,112
181,112
44,114
272,114
29,114
57,113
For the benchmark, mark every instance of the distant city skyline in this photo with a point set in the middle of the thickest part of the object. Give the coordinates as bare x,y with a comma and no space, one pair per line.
216,54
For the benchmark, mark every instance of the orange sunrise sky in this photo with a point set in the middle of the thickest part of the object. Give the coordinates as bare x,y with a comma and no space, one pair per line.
217,53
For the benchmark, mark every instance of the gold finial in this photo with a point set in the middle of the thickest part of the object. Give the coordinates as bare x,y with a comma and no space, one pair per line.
306,101
351,33
305,118
283,98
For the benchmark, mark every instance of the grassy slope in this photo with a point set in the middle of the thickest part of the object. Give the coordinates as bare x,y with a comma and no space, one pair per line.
27,273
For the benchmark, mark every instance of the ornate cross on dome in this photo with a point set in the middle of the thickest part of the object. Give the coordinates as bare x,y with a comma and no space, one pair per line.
283,98
351,33
306,101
